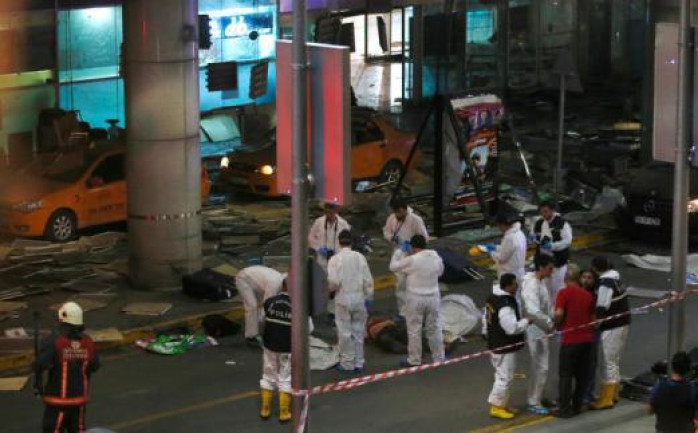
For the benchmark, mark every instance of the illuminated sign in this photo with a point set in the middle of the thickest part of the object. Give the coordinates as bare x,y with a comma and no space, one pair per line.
229,27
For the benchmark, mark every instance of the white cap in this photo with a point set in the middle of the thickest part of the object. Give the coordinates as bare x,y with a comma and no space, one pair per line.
70,313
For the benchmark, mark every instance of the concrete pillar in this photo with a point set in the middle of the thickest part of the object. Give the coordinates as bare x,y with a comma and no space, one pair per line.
163,165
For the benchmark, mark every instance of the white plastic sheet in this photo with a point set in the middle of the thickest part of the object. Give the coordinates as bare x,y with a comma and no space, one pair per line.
460,316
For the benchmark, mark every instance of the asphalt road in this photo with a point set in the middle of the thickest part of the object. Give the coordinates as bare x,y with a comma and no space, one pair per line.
200,392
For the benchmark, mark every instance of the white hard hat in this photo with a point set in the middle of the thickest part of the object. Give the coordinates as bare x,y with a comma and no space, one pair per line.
70,313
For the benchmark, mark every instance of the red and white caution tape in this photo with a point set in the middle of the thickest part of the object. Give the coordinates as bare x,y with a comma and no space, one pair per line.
371,378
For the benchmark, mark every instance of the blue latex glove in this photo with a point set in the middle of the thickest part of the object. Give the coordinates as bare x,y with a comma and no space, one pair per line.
405,246
491,248
323,251
368,303
533,238
547,246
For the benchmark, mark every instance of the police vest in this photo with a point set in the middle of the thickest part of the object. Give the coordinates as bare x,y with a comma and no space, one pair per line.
496,336
560,258
619,305
277,323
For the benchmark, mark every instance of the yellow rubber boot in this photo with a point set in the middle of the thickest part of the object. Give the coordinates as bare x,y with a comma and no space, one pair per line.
265,407
500,412
606,400
284,407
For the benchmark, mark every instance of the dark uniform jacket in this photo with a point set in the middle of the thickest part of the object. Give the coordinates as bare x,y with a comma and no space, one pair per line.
70,358
277,323
496,336
560,258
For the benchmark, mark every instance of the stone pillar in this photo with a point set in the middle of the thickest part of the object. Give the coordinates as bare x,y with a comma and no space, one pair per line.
163,163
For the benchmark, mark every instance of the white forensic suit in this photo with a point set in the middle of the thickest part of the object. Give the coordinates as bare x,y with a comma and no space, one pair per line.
510,255
325,234
350,278
422,303
397,232
536,303
504,364
556,282
255,285
614,333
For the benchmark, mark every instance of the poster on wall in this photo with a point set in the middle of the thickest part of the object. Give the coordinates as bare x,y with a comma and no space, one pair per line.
475,121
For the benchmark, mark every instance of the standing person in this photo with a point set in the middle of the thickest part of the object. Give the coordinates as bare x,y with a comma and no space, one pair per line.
611,300
537,304
399,228
70,358
351,282
553,237
503,327
422,268
675,400
574,307
510,255
276,373
256,284
589,282
323,238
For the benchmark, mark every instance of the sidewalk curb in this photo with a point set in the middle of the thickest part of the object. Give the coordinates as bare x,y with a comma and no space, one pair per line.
23,360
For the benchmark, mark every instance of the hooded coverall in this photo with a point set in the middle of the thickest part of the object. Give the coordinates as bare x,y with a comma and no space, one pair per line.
396,232
423,302
537,303
510,255
256,284
350,278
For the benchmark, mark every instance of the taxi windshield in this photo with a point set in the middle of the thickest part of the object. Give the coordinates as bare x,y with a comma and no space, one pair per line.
67,167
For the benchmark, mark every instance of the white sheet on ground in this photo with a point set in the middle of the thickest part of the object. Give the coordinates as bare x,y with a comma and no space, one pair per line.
323,356
460,316
663,264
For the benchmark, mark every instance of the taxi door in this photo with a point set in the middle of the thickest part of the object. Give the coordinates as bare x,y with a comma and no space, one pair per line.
368,144
105,194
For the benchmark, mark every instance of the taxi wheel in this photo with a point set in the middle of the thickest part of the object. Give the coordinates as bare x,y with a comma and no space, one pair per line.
391,172
62,226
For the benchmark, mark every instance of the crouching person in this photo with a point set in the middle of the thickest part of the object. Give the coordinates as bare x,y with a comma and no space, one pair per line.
504,329
276,373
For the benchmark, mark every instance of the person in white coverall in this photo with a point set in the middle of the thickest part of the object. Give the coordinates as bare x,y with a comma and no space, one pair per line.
510,255
553,237
422,268
503,327
350,281
255,285
323,238
399,228
538,305
611,300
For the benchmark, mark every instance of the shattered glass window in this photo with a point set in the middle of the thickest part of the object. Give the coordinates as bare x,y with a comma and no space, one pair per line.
480,26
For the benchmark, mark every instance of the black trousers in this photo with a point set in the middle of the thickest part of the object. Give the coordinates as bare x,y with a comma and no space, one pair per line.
64,419
574,374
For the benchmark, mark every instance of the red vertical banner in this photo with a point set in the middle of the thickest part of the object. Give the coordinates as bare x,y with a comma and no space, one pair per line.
329,121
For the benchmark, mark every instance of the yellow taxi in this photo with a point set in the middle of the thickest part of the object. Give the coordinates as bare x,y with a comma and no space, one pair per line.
379,152
61,193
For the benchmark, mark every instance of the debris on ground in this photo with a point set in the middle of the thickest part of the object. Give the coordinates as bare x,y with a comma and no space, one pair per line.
105,335
175,344
86,304
13,383
147,308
